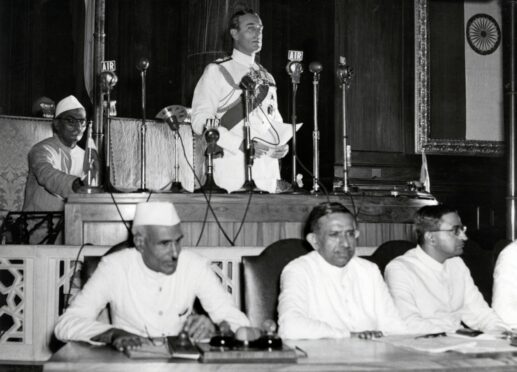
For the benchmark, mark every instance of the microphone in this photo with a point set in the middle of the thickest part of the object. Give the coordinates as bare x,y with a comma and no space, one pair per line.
247,83
108,80
294,68
315,67
173,115
143,64
212,135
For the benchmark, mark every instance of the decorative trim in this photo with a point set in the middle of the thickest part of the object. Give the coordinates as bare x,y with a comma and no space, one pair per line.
423,140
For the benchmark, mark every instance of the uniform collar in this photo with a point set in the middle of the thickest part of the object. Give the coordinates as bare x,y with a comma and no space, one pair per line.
243,59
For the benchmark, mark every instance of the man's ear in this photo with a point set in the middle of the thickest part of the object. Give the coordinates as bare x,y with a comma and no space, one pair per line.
428,237
311,238
234,33
138,240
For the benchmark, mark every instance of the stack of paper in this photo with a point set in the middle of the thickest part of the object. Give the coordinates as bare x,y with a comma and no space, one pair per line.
431,345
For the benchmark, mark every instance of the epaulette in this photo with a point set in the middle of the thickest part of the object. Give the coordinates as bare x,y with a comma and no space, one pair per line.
222,60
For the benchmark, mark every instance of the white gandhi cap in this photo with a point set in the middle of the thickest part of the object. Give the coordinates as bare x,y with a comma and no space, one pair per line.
156,213
67,104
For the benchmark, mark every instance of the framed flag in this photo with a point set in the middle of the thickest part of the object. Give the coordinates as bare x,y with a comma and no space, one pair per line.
458,77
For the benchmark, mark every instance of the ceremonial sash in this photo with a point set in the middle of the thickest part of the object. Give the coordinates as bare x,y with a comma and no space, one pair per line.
237,110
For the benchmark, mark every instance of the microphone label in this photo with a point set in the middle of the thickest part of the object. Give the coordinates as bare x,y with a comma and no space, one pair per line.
295,55
110,66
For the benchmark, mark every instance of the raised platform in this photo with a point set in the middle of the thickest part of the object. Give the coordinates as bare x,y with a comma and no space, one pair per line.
98,218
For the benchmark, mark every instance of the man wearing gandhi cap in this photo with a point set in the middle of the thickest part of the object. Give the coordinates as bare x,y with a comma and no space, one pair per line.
151,289
56,163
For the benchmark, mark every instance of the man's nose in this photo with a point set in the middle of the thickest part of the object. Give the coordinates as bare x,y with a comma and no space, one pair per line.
343,239
175,250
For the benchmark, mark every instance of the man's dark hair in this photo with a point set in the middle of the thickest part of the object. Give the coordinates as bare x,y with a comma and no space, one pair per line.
321,210
234,20
428,219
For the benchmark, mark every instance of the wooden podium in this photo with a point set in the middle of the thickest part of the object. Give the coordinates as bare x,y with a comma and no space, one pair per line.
99,218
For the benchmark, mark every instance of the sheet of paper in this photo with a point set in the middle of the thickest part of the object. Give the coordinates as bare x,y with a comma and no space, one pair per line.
278,134
431,345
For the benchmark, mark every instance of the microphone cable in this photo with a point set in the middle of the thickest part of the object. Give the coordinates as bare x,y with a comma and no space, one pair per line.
227,237
205,218
243,217
72,277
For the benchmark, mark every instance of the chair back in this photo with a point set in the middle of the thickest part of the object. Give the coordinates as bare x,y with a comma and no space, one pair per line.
481,267
90,262
261,278
388,251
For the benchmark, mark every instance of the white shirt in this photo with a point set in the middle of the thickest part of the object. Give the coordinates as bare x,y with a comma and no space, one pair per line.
213,96
53,167
146,302
319,300
436,297
504,299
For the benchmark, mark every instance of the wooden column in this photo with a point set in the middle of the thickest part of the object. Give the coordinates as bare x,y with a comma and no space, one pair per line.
509,86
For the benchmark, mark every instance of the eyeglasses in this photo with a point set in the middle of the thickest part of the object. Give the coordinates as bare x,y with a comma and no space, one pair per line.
74,121
457,230
349,234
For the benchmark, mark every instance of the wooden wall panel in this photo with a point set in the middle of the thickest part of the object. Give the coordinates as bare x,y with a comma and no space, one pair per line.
370,34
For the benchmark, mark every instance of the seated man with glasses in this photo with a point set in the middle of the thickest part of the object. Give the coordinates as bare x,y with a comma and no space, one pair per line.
431,286
56,163
330,292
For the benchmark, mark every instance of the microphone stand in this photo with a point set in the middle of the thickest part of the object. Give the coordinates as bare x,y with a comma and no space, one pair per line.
176,186
344,75
107,80
174,116
249,151
315,68
110,83
211,137
295,69
143,64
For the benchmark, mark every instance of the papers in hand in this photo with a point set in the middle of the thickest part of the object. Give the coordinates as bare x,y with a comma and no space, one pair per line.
276,134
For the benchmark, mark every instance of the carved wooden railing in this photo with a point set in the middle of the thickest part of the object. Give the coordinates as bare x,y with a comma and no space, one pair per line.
35,283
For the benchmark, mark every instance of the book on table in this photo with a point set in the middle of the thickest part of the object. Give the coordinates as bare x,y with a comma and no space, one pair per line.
165,348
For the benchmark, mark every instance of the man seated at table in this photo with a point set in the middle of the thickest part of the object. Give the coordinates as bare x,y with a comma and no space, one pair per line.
504,299
331,293
150,289
431,286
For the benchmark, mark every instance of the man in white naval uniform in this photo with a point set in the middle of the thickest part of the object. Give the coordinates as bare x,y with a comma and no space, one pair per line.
218,95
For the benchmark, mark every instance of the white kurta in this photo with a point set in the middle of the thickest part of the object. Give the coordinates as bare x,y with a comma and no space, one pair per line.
318,300
146,302
504,299
213,96
436,297
53,167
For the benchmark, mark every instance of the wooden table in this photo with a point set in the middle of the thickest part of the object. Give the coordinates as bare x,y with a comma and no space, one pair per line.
323,355
97,219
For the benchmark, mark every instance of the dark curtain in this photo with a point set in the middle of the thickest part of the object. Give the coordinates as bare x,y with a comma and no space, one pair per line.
41,54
